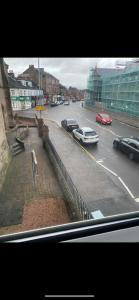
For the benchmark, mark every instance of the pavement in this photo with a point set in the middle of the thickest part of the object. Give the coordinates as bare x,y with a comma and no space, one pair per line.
99,189
18,190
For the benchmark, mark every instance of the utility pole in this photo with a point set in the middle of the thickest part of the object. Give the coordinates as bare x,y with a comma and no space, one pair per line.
39,82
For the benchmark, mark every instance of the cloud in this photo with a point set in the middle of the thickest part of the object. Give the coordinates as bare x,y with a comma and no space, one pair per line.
70,71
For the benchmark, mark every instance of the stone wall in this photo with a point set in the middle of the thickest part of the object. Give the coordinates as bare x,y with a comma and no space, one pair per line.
4,150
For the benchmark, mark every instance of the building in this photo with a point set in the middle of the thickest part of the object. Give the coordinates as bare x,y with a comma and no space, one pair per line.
6,120
46,81
24,93
117,89
5,99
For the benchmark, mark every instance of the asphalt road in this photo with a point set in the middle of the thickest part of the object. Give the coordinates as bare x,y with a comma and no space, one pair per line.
104,153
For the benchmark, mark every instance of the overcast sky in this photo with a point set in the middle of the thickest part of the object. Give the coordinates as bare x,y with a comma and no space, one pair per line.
70,71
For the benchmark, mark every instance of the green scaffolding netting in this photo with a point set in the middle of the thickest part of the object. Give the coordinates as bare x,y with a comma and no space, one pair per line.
119,92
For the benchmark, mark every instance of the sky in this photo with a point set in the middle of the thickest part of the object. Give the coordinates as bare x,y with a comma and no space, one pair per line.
70,71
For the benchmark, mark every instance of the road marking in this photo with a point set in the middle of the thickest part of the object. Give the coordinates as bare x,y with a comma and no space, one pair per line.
106,129
126,187
128,125
99,162
107,169
93,157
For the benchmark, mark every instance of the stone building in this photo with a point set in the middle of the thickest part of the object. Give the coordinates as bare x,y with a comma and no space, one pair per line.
24,94
6,120
5,99
46,81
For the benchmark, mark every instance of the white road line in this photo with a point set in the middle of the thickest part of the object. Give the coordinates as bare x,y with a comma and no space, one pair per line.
126,187
107,169
106,129
128,125
99,161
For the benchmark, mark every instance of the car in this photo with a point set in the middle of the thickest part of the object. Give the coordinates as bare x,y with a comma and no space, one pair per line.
73,100
66,103
128,145
53,104
61,102
103,118
86,135
69,124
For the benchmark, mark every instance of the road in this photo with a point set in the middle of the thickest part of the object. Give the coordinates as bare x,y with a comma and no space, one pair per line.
116,162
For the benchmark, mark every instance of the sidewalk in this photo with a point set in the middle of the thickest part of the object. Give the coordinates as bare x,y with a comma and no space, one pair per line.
98,188
21,206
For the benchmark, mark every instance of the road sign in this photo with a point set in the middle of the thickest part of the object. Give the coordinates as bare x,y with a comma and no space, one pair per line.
40,107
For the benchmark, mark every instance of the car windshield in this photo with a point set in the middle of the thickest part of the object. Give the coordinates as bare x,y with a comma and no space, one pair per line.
71,122
90,133
44,159
105,116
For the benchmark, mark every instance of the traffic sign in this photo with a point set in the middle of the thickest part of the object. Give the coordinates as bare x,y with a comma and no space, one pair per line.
40,107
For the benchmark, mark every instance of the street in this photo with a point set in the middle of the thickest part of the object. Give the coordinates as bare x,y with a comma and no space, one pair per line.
115,162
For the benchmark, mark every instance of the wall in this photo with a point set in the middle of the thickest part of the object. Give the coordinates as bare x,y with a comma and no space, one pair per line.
5,99
4,150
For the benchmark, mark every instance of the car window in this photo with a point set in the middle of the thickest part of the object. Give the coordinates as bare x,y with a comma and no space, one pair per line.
71,122
90,133
105,116
80,131
125,140
133,145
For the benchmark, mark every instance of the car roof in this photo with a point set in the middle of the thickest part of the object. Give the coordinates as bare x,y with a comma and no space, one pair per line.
134,139
87,129
70,120
103,113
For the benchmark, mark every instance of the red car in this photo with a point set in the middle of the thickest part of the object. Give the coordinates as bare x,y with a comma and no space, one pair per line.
103,118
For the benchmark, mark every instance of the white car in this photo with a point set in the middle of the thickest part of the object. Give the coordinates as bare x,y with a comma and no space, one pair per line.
86,135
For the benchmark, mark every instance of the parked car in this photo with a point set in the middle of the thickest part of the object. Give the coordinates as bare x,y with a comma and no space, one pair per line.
128,145
69,124
73,100
66,103
103,118
61,102
86,135
53,104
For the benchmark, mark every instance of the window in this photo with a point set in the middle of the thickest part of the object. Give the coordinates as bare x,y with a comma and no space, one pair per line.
133,145
80,131
72,182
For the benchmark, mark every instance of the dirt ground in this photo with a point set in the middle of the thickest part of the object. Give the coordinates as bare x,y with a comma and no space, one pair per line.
39,214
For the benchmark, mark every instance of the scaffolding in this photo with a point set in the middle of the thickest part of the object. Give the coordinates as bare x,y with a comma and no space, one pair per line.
94,85
119,92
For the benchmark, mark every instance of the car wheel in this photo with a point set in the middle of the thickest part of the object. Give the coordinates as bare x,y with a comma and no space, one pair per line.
131,156
115,145
81,141
73,135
